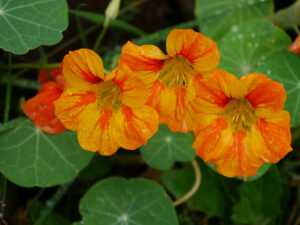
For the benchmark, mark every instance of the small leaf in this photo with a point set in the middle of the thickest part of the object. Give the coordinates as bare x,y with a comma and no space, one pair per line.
216,17
167,147
244,48
284,67
259,200
99,18
210,197
118,201
30,157
26,25
289,17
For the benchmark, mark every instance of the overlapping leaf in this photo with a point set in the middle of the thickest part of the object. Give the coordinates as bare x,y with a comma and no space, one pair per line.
26,25
244,48
167,147
118,201
216,17
30,157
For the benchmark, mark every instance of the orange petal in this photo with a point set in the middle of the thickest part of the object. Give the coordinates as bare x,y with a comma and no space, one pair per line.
71,104
213,92
295,47
146,61
266,96
56,76
40,109
201,51
133,89
133,127
83,69
95,131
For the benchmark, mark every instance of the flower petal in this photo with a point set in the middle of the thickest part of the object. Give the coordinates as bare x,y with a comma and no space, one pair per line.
133,127
71,104
266,96
201,51
133,89
40,109
95,131
83,69
146,61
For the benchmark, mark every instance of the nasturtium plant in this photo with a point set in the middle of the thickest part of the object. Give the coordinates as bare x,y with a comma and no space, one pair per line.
26,25
246,46
29,157
284,67
167,147
216,17
119,201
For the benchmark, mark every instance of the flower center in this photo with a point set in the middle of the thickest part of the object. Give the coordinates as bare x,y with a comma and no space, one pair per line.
240,114
178,71
109,96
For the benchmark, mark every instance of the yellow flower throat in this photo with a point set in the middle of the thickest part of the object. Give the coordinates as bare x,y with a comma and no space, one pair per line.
109,96
178,71
240,114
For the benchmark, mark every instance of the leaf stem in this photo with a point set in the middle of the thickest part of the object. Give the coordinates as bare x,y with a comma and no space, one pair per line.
44,60
100,37
34,200
52,202
31,66
195,187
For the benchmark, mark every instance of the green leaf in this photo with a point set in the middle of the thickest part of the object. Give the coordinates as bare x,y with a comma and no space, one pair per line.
244,48
29,157
210,197
99,18
28,24
284,67
52,219
289,17
167,147
118,201
259,200
216,17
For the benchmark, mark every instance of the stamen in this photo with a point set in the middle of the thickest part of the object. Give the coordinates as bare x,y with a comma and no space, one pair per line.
109,97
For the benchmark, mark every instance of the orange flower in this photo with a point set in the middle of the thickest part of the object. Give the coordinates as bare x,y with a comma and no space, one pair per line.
40,109
295,47
241,124
190,55
109,111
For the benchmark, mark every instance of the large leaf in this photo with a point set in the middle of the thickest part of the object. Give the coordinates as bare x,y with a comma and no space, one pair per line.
30,157
99,18
210,197
259,200
285,67
289,17
134,202
244,48
28,24
167,147
216,17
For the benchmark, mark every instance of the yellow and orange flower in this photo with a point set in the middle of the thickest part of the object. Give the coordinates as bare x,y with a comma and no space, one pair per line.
295,47
191,55
40,108
241,124
109,111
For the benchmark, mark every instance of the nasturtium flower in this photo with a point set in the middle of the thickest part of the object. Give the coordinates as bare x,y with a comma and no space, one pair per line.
295,47
107,112
190,56
241,124
40,108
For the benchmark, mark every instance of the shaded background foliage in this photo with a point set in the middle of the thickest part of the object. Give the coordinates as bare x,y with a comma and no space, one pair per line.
271,199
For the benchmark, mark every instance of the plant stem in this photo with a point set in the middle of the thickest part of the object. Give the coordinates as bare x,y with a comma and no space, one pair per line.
100,37
31,204
52,202
195,187
80,28
32,66
44,60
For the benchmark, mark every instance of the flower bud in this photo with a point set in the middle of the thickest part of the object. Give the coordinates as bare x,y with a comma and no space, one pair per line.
112,11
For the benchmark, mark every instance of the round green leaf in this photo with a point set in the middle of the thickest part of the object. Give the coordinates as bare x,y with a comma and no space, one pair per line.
116,201
284,67
29,157
216,17
245,47
167,147
28,24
